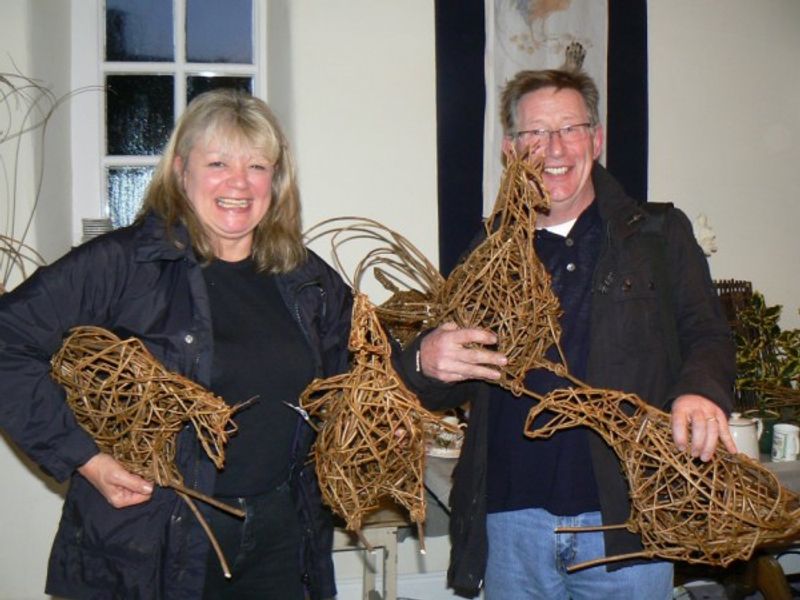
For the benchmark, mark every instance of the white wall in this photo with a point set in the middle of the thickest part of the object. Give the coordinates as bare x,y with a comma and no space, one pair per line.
35,36
354,83
724,131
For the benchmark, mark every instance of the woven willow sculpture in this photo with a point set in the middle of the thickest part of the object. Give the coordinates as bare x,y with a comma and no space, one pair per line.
684,509
134,409
371,441
414,283
502,285
784,400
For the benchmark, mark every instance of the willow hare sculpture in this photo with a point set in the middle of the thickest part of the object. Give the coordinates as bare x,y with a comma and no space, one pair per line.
711,512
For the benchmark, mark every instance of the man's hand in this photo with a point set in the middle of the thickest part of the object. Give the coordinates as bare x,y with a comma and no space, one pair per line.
117,485
708,424
444,354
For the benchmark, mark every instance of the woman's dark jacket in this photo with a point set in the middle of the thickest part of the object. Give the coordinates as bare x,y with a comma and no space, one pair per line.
656,330
135,282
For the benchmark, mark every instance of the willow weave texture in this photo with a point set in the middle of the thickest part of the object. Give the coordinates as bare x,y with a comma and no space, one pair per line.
711,512
371,441
134,409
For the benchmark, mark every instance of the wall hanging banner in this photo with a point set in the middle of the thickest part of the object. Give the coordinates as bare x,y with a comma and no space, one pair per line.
536,34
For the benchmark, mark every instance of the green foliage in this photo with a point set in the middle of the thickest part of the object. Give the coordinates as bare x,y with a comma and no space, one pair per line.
765,355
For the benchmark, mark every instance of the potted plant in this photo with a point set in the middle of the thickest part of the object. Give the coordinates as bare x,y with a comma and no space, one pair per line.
767,366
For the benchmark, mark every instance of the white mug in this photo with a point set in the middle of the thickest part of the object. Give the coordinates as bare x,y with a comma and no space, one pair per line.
785,442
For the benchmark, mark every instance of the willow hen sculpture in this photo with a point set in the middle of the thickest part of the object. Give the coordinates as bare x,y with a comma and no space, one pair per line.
502,285
134,409
414,283
684,509
371,441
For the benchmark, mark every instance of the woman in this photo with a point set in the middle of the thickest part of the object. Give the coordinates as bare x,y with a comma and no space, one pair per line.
214,278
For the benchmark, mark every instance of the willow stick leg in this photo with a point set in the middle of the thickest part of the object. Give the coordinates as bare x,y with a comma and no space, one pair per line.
589,528
364,540
211,537
236,512
607,559
421,534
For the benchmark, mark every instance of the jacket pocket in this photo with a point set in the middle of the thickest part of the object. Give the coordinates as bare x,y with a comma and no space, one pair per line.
104,551
634,321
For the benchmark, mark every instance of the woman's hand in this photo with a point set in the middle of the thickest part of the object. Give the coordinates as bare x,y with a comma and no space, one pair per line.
118,486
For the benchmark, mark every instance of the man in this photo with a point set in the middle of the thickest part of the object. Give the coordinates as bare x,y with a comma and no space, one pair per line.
638,316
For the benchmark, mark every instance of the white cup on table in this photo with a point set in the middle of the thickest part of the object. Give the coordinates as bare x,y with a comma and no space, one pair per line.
785,442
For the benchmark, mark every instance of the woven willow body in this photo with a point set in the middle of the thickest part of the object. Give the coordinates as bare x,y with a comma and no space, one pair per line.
684,509
371,443
134,409
502,285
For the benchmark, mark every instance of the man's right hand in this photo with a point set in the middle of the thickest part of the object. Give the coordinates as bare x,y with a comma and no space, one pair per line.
446,355
118,486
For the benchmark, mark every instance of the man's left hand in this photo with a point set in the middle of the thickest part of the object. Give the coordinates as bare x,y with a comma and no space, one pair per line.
708,424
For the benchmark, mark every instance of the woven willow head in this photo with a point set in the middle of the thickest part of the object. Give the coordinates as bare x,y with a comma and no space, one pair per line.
502,285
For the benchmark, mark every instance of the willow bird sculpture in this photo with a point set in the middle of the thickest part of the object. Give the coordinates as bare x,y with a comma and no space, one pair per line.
414,283
502,285
684,509
370,442
134,409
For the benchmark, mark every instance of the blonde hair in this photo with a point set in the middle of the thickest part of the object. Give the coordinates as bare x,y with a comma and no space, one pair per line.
228,114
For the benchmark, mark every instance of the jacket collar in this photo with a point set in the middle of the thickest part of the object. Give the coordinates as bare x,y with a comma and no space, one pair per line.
153,243
623,215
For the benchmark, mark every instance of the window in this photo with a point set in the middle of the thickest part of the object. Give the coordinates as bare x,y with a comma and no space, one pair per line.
150,58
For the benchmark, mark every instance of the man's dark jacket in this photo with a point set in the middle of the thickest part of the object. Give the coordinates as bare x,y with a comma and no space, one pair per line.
656,330
136,282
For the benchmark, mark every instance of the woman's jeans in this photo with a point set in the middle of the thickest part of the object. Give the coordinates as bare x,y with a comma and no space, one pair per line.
263,550
528,561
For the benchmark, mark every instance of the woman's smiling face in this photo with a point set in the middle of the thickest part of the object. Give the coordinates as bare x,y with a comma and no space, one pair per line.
229,185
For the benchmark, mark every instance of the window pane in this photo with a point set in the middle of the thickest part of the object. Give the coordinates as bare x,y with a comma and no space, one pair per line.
198,85
219,31
139,113
139,30
126,187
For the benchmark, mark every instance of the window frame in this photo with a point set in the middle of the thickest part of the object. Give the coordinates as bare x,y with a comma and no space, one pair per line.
87,110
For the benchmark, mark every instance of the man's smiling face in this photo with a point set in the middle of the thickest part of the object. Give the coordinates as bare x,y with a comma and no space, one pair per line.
567,164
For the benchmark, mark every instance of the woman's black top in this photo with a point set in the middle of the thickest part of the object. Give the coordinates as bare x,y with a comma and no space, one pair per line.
260,353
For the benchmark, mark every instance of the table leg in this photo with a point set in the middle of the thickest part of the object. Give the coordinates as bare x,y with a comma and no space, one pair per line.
771,580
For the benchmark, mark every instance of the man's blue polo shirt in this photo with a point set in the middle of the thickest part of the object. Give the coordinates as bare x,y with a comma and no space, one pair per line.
556,473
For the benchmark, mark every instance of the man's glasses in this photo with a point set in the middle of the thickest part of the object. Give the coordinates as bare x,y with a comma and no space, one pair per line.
567,134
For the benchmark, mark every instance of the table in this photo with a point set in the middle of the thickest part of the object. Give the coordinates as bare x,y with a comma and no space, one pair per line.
439,478
380,531
788,472
381,528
